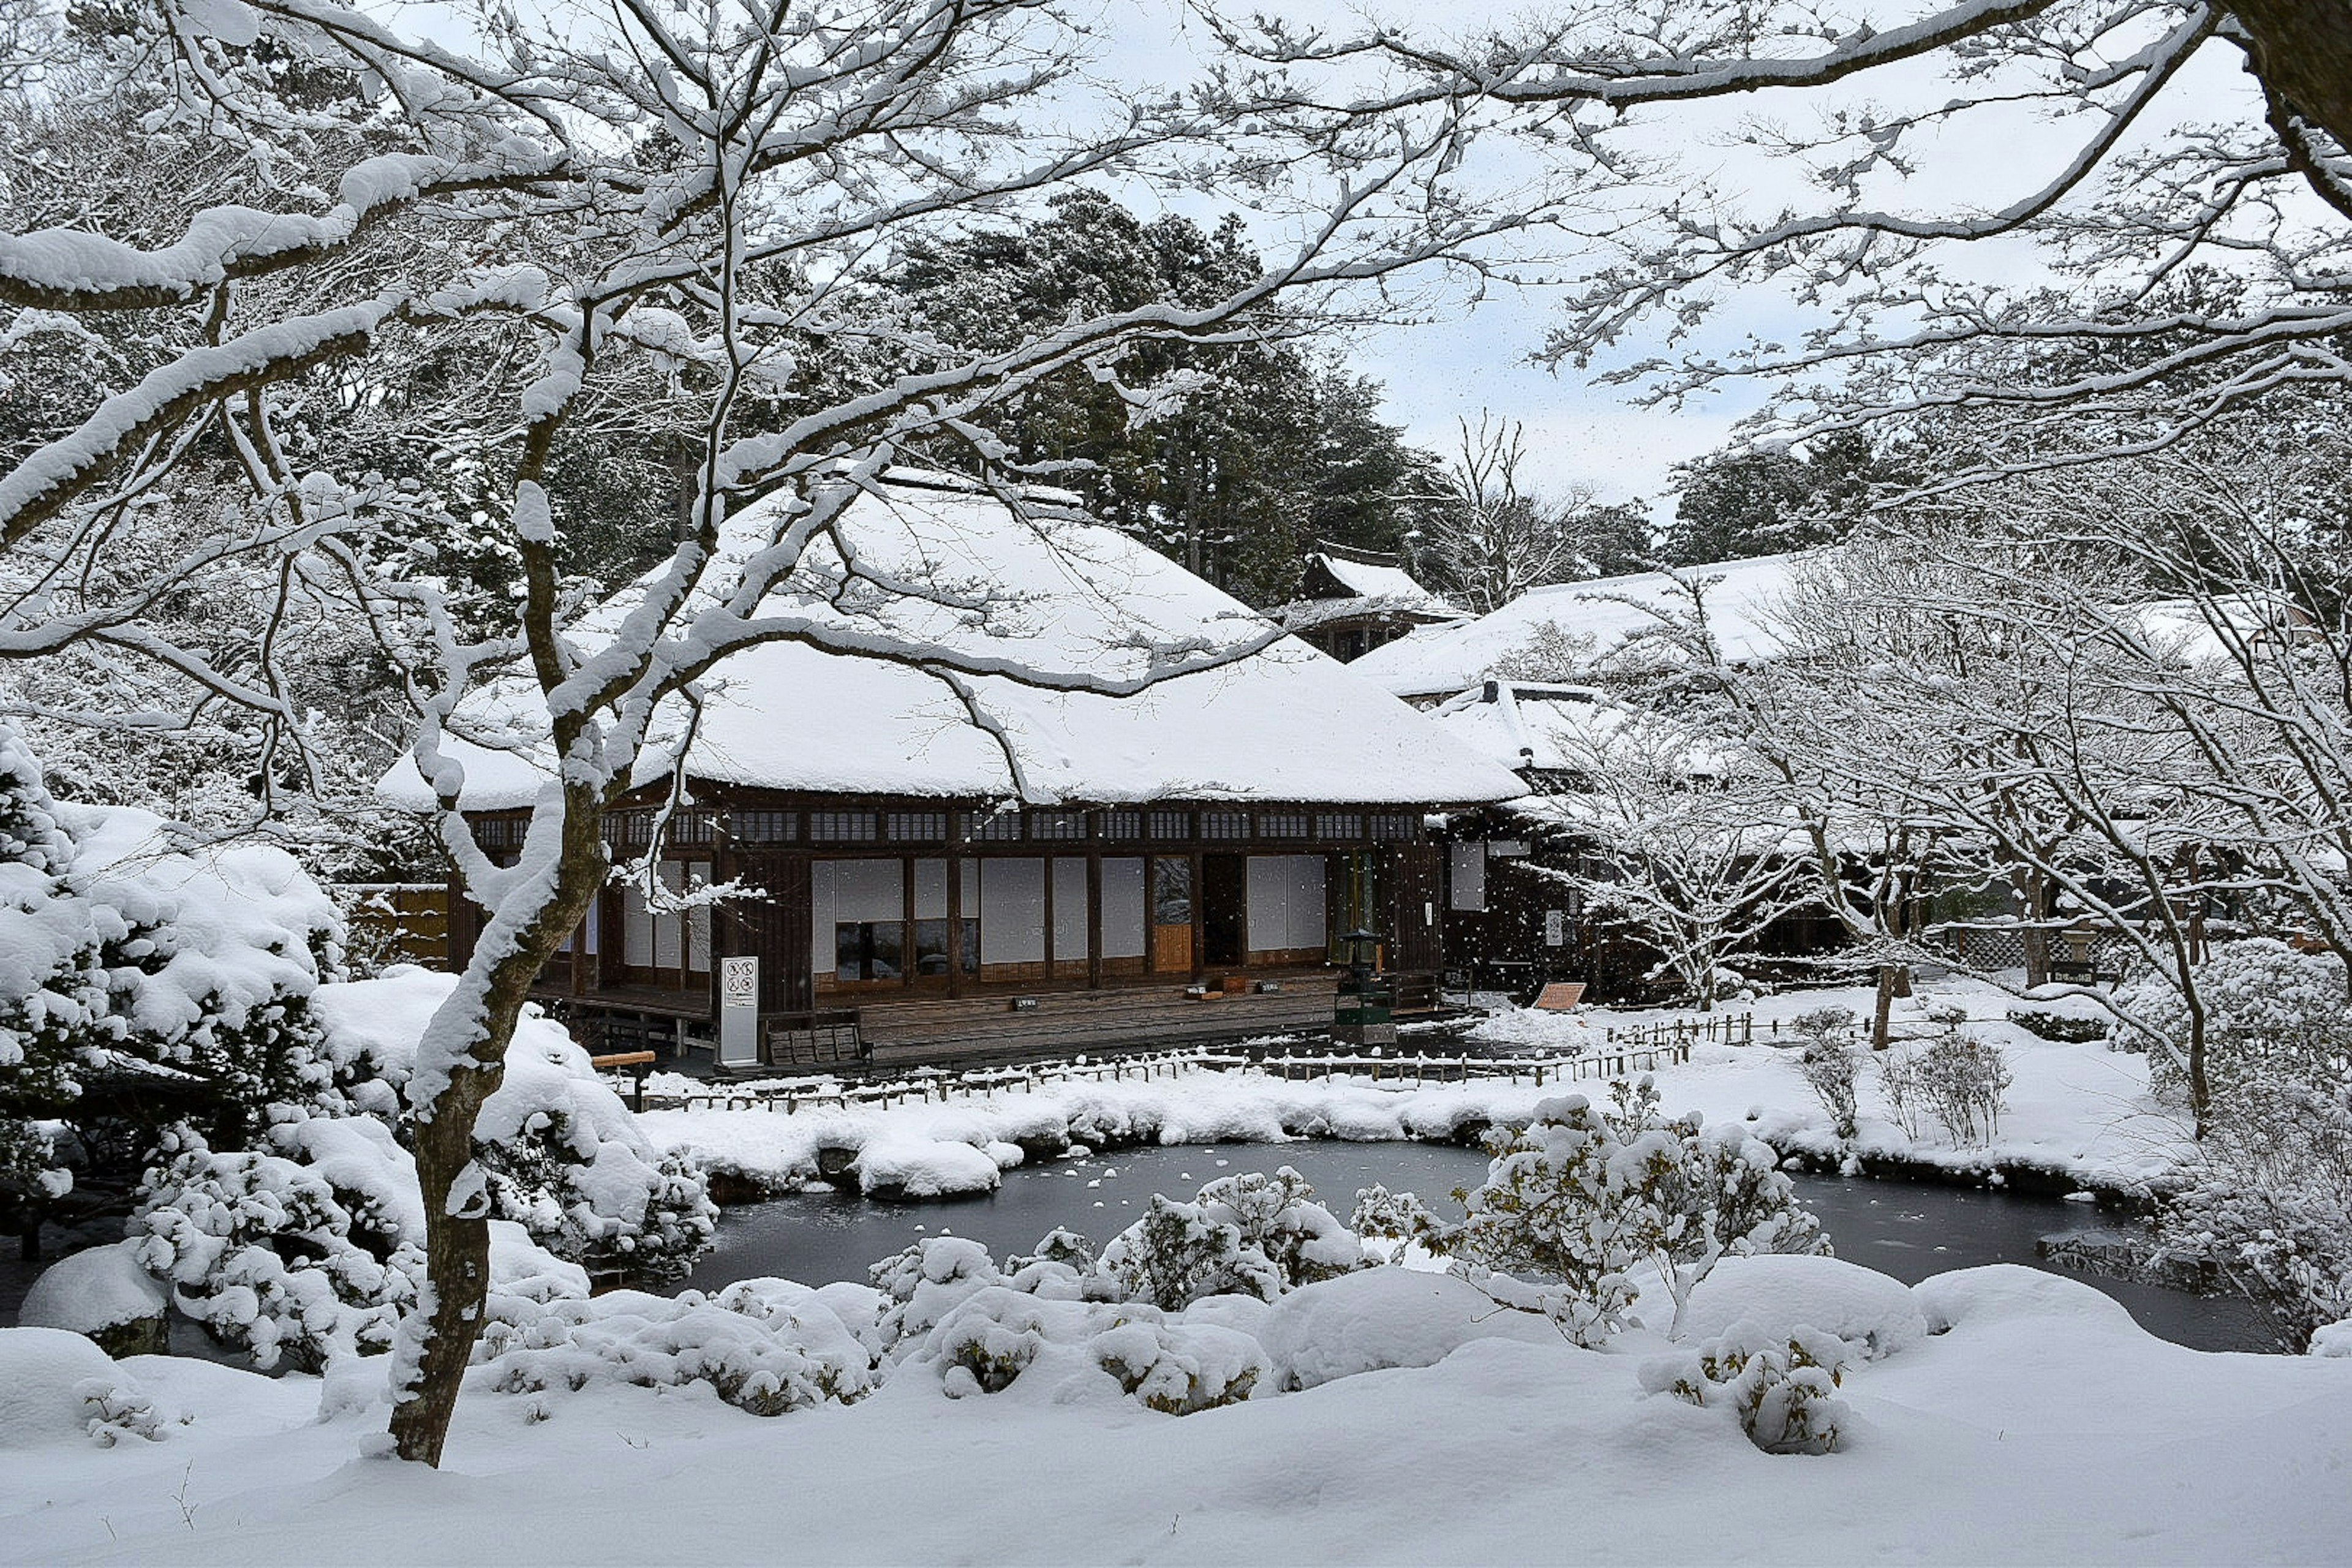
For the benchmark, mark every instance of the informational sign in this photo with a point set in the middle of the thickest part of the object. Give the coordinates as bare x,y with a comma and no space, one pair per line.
738,1012
1555,928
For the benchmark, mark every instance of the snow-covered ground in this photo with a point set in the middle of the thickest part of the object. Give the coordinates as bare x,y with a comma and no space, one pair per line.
2040,1426
2077,1110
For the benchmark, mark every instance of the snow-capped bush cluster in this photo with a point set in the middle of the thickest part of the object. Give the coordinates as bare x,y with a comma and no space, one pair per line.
1960,1081
1585,1193
2270,1012
1784,1391
174,978
1251,1235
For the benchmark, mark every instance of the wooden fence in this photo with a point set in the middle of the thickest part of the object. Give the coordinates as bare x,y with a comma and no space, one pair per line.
400,921
1399,1071
1725,1029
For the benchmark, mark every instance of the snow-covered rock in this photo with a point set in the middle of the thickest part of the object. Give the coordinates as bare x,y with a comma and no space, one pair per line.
1777,1294
102,1292
1999,1292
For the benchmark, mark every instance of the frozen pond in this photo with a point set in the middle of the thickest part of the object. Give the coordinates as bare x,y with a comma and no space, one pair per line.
1907,1231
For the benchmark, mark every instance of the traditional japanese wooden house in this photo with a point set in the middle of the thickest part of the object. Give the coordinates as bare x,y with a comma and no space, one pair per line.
1075,870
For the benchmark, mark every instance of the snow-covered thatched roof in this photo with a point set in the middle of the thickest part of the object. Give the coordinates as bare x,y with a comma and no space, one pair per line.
1035,590
1610,614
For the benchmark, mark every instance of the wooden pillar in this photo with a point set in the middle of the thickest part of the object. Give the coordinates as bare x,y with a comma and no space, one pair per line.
955,903
1200,926
1046,864
1093,921
907,965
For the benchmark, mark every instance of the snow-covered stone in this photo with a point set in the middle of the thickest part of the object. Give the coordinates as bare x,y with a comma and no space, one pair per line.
1777,1294
104,1293
1384,1318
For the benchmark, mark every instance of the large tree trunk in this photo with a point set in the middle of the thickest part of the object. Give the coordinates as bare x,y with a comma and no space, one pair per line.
2303,51
457,1216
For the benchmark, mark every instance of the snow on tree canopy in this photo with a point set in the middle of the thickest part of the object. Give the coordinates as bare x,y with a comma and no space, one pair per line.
1046,595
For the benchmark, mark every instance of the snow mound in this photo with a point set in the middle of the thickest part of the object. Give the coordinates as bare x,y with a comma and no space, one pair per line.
58,1388
1780,1293
2333,1340
1383,1318
90,1291
1999,1292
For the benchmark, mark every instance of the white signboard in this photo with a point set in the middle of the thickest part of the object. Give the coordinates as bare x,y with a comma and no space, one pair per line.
1555,928
738,1012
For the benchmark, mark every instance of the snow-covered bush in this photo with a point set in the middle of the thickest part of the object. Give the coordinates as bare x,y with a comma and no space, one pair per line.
563,1156
2270,1012
2267,1199
1180,1368
1179,1252
921,1285
1780,1294
765,1346
1960,1081
55,1384
1830,1065
274,1259
104,1293
1820,1024
1585,1193
1784,1390
2063,1029
996,1335
1251,1234
1399,1220
175,977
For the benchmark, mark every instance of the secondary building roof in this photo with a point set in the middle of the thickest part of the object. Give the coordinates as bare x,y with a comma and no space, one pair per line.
1610,619
1035,589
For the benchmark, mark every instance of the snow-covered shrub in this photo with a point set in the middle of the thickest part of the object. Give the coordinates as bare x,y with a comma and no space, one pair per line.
1829,1065
1382,1318
1959,1082
1278,1216
1180,1368
564,1157
986,1343
1251,1235
1821,1023
272,1259
2267,1199
1778,1294
56,1385
921,1285
1399,1220
764,1346
994,1336
1179,1252
132,961
2270,1012
1584,1194
1784,1390
2063,1028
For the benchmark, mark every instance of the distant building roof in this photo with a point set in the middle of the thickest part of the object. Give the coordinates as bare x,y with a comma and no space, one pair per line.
1539,728
1062,594
1615,615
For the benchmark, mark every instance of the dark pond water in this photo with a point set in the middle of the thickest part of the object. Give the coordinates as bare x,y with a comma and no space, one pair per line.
1907,1231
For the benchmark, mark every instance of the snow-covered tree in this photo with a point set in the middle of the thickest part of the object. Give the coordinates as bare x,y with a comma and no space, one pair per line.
1855,189
1586,1194
1692,848
1484,540
609,197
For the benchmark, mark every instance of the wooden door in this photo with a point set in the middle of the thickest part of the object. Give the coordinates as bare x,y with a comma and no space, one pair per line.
1419,885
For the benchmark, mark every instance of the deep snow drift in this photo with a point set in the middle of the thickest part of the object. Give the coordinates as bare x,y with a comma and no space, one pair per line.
1995,1414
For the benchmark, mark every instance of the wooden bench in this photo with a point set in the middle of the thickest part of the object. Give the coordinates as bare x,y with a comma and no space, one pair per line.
829,1040
637,1064
1559,995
